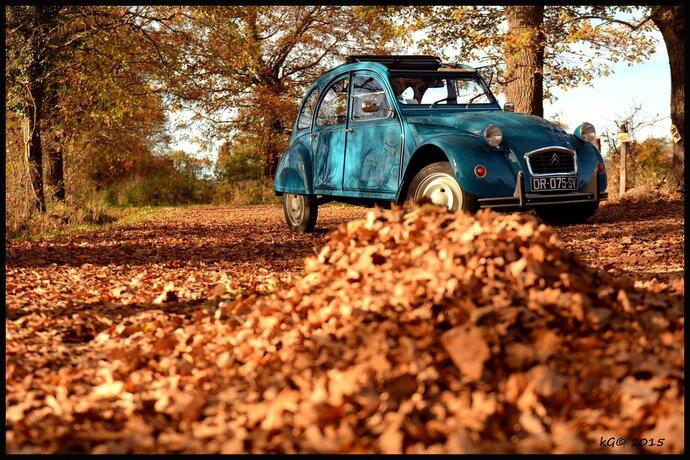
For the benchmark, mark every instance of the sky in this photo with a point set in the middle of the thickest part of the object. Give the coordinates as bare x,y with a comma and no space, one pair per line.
606,99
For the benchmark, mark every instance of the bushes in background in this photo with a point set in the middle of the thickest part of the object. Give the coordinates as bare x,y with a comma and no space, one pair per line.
100,185
244,192
160,189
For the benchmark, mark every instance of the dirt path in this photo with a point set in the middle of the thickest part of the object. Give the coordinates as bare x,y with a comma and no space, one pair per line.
62,292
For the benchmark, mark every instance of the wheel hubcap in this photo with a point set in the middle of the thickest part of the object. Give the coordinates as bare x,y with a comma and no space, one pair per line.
441,189
295,208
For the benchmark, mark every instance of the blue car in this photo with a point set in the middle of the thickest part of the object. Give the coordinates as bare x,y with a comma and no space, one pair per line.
385,129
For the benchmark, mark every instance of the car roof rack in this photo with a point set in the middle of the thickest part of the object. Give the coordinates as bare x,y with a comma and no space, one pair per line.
399,61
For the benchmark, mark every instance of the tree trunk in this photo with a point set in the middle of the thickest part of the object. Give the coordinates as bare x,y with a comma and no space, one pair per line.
34,151
671,22
275,146
55,177
271,162
524,53
56,173
43,19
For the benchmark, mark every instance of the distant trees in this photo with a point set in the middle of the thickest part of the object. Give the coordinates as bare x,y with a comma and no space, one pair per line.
238,160
95,85
83,79
248,66
648,162
30,60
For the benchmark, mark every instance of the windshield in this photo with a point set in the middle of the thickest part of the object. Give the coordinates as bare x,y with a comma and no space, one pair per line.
437,90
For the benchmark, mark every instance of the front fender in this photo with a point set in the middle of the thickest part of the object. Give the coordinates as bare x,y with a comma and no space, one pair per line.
294,171
587,159
464,153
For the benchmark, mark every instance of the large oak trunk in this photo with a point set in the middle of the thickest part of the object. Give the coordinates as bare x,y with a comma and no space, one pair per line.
524,53
671,22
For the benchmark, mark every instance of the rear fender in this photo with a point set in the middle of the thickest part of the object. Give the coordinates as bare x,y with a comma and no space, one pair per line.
294,171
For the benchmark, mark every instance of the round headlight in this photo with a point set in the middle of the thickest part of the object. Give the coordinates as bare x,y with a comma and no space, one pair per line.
493,135
586,132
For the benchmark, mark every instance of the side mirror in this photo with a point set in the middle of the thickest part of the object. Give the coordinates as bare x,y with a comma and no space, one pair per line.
509,107
370,106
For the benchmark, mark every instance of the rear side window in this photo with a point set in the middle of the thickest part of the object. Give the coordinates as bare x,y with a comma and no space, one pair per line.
307,111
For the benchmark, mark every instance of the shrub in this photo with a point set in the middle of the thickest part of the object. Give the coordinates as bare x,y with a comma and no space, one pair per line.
160,189
245,192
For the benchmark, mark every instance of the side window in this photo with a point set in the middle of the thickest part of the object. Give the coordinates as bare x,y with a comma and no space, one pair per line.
333,108
307,111
369,100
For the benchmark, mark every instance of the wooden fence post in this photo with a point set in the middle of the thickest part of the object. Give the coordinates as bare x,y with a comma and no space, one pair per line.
624,138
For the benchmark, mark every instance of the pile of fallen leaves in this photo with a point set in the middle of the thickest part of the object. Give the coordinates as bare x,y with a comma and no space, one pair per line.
412,331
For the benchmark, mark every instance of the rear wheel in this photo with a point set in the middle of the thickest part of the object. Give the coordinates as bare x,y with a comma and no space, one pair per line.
567,214
436,184
300,212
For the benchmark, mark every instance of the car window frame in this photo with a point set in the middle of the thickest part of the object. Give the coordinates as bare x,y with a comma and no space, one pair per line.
302,107
406,108
384,90
322,96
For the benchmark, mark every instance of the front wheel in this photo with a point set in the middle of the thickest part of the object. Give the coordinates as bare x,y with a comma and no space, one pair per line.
300,212
567,214
436,184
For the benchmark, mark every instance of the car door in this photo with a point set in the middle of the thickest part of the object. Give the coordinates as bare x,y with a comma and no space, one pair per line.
328,136
374,138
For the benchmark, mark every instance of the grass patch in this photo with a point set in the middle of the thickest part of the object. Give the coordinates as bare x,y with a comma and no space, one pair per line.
63,220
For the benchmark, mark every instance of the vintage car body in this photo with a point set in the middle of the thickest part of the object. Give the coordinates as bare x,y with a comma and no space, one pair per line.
376,160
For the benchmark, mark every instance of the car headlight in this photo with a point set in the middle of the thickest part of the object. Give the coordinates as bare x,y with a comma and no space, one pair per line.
493,135
586,132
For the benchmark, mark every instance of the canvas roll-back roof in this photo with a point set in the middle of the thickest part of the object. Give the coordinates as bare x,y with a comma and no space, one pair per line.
399,61
414,62
392,64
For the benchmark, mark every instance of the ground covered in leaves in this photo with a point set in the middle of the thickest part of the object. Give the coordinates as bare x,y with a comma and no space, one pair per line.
417,330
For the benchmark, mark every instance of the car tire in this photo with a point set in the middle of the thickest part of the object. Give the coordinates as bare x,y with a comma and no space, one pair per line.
300,212
567,214
436,183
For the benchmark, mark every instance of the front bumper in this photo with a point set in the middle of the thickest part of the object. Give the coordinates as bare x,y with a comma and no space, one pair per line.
522,200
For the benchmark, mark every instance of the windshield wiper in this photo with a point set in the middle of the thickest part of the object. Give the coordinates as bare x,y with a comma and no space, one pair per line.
475,97
455,97
441,100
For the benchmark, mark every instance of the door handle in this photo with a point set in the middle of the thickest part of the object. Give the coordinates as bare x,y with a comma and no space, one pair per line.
348,130
312,135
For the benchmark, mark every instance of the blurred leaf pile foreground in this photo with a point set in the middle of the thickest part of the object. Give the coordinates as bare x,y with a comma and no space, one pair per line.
411,330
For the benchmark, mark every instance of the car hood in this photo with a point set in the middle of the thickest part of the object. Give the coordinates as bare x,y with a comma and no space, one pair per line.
521,132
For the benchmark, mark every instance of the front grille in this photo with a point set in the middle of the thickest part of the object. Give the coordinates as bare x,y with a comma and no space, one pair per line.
551,161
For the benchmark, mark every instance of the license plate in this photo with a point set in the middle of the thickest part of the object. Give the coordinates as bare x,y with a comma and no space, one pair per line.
540,184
